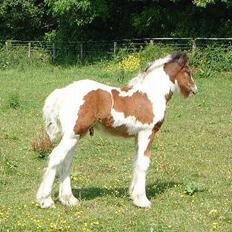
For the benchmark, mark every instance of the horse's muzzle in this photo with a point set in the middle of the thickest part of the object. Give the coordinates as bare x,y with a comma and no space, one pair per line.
193,91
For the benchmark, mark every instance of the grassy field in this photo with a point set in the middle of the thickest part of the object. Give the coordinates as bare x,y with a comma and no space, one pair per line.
189,182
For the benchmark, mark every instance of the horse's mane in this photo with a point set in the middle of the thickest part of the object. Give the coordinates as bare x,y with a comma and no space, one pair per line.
151,66
155,64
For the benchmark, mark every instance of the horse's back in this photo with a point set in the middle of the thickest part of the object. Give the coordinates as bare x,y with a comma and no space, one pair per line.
82,103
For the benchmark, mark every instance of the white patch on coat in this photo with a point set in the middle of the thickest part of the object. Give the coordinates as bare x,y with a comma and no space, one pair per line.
138,80
132,124
156,85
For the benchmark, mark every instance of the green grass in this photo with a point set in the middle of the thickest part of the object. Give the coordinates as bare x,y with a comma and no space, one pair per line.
189,181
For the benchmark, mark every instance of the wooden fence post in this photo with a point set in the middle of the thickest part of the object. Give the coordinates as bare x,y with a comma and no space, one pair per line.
53,52
115,48
6,43
81,51
29,50
194,46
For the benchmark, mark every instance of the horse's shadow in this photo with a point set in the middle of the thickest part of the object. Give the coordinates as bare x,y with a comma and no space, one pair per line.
153,190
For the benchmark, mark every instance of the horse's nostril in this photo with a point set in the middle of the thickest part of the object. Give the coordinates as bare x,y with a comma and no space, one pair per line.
194,90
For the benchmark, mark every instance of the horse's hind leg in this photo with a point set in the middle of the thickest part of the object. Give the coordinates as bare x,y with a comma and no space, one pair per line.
57,156
65,191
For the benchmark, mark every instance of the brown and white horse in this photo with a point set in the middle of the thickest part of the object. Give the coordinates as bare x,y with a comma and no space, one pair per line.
137,110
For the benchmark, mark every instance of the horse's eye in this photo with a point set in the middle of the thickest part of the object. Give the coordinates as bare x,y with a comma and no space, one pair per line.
188,73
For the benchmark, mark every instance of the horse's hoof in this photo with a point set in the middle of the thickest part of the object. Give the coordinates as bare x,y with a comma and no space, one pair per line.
46,202
69,200
141,201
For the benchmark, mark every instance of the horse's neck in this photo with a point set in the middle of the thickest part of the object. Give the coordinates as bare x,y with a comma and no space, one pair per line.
156,85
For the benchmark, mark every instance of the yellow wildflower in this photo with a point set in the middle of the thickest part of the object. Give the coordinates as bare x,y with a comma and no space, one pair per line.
131,63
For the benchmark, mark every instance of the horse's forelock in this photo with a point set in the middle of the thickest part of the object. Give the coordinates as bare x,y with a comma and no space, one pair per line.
177,62
179,57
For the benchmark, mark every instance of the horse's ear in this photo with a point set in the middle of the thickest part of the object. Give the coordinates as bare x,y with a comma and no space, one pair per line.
177,62
183,59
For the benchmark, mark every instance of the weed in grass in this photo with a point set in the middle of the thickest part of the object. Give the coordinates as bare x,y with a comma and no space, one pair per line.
43,146
14,101
191,189
12,137
8,166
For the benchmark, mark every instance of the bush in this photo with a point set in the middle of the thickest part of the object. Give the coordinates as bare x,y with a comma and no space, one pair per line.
212,59
207,61
155,51
18,57
128,60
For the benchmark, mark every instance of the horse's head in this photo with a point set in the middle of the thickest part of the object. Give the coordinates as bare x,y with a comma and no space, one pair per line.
180,74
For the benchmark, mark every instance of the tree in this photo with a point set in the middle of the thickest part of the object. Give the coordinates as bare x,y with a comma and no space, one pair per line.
204,3
106,20
21,19
74,16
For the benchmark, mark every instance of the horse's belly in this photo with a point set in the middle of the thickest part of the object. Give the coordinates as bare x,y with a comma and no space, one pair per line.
129,124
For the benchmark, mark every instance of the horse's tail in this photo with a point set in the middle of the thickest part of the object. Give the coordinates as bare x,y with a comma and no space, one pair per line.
52,124
51,114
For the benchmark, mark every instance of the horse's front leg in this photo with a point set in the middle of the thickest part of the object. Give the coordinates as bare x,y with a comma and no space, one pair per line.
137,189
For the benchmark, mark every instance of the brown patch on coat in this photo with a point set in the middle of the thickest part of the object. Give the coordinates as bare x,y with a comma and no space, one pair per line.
116,131
137,105
173,67
178,70
185,81
151,138
97,107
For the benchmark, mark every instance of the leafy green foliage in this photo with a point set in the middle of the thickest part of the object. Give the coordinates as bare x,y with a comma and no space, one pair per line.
207,61
72,16
212,59
204,3
21,19
70,20
154,51
78,13
18,57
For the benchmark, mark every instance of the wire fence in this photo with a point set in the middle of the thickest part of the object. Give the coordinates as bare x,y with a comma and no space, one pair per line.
80,50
